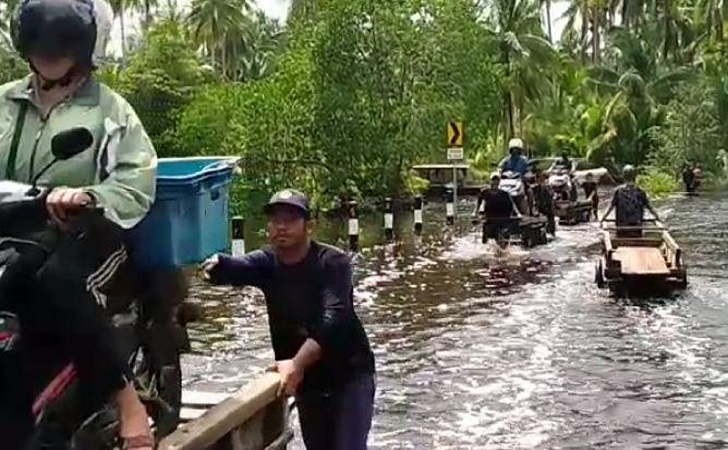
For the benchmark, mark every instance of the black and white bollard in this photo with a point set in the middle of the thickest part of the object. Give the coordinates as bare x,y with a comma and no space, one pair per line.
418,215
450,206
353,227
388,219
238,235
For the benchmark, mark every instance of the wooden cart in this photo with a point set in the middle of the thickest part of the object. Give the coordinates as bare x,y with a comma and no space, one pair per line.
650,263
572,213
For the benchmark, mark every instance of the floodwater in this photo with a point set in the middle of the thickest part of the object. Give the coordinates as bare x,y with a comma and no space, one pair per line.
480,351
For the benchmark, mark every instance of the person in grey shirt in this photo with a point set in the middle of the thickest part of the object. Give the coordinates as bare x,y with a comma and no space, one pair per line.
630,202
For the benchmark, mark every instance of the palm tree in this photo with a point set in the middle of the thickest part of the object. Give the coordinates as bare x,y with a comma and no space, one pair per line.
636,84
524,54
120,7
8,9
546,5
713,14
301,9
214,23
257,47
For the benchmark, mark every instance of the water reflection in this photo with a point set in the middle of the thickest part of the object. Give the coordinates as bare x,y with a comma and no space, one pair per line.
522,351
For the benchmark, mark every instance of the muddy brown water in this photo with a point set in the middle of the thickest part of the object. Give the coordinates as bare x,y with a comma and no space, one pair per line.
476,351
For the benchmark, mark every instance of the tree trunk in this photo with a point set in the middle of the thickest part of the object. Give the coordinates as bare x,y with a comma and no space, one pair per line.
596,28
548,21
666,28
584,34
718,25
123,36
507,96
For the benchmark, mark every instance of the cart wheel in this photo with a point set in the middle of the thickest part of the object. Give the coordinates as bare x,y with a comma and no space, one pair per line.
526,238
599,275
683,278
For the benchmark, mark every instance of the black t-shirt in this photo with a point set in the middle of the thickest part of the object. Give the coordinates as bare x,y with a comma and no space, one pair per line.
498,203
543,197
589,187
311,299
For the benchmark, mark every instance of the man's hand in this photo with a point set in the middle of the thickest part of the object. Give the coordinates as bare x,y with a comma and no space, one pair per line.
291,377
61,201
208,265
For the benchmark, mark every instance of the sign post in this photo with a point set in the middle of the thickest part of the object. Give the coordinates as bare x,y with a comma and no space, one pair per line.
454,154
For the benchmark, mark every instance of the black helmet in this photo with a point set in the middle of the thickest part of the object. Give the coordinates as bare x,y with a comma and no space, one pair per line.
56,28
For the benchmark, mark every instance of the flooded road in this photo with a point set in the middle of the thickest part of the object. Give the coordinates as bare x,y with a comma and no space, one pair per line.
517,352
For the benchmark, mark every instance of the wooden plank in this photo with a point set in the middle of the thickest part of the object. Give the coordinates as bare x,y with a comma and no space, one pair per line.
187,414
219,421
641,261
637,242
201,398
282,441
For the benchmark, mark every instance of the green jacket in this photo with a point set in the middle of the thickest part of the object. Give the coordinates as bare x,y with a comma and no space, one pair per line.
119,169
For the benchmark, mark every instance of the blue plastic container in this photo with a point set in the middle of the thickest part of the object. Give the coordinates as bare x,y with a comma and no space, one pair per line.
189,219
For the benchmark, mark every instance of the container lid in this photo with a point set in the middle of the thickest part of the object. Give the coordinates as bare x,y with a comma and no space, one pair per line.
184,170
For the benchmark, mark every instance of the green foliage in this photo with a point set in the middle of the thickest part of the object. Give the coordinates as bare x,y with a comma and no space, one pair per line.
690,132
657,183
12,67
357,98
160,79
351,93
414,185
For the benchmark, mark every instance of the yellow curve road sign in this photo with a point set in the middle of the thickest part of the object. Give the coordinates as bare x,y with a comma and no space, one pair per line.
454,134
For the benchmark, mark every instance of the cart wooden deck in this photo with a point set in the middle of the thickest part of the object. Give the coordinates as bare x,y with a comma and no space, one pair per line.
641,261
652,261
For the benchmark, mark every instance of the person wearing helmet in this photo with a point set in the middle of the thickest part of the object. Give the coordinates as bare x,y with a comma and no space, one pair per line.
496,207
515,162
63,41
629,201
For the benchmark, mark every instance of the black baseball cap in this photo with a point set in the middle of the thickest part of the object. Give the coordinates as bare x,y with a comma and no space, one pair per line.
289,197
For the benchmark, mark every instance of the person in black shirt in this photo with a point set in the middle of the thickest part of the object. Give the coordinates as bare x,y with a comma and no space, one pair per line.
565,162
321,349
688,177
544,199
497,210
590,191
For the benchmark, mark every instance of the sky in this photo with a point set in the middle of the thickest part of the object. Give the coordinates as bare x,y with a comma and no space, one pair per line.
278,9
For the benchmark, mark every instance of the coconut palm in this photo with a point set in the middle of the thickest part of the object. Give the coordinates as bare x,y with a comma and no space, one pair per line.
525,54
214,23
636,84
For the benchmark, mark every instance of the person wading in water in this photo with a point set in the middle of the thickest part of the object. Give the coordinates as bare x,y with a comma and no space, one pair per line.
630,202
497,211
322,351
590,191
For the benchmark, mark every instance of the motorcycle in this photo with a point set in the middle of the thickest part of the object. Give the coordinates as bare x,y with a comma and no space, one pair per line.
150,327
512,183
561,184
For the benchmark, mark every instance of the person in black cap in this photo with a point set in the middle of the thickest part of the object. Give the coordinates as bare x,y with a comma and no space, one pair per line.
321,349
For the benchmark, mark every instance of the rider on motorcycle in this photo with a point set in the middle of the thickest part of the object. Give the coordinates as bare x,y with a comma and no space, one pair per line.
63,42
565,162
497,210
515,162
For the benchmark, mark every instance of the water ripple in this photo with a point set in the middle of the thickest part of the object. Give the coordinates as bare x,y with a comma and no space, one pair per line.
477,350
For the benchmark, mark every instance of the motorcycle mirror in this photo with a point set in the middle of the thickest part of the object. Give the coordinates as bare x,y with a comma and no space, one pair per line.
70,143
64,145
